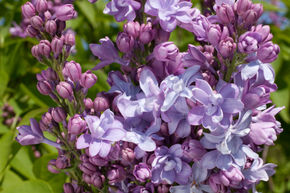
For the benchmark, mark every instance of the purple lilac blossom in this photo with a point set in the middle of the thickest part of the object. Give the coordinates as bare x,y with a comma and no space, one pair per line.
169,12
104,131
169,167
122,9
107,53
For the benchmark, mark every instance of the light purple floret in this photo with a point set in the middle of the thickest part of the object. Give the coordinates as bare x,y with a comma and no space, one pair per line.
104,131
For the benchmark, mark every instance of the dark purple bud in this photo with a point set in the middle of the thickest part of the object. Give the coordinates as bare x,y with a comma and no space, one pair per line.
101,103
69,38
88,79
88,168
242,6
132,28
50,74
98,161
72,70
76,125
192,150
163,188
28,10
86,178
47,15
65,90
46,118
58,114
125,42
60,26
142,172
44,48
31,31
88,103
36,22
98,180
62,162
42,126
57,45
44,87
65,12
214,34
128,156
227,47
147,34
50,27
41,6
268,52
68,188
51,167
116,174
35,52
165,52
225,13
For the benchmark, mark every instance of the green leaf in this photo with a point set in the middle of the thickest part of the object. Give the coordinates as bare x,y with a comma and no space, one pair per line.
22,162
281,98
26,90
10,180
9,148
4,82
37,186
88,11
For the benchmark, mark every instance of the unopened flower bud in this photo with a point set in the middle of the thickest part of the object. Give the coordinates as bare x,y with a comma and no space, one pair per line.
44,87
192,150
249,42
166,51
264,31
47,15
88,103
242,6
142,172
50,27
225,13
41,6
147,34
163,188
65,90
88,168
125,42
36,22
50,74
35,52
44,48
60,26
62,162
58,114
51,167
76,124
161,36
116,174
56,46
98,161
98,179
31,31
46,118
68,188
132,28
253,14
86,178
128,156
73,70
268,52
214,34
88,79
69,38
231,177
227,47
101,104
65,12
28,10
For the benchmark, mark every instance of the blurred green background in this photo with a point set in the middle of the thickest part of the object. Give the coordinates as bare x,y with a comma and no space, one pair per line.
24,169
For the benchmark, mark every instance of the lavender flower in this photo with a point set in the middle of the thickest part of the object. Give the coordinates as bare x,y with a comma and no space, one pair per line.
121,10
169,13
168,166
104,131
107,53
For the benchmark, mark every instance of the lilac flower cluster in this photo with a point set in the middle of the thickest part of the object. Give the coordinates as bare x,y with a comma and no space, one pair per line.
172,121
